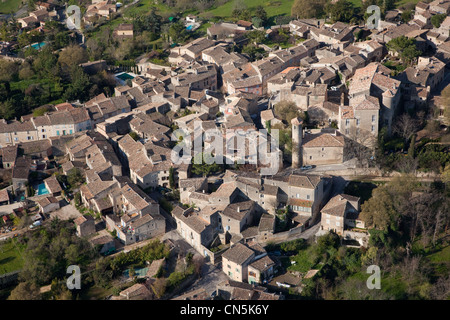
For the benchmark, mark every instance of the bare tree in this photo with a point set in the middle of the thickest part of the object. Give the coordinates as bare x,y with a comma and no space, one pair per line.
405,126
199,262
360,145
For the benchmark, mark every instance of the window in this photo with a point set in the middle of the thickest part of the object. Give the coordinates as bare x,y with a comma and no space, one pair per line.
337,224
373,118
237,270
43,130
298,195
228,266
43,136
307,197
373,128
347,122
357,122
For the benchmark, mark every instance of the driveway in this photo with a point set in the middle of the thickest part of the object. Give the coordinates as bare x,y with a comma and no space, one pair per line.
65,213
212,276
8,208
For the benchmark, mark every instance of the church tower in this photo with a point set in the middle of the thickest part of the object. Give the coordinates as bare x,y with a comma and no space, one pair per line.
297,135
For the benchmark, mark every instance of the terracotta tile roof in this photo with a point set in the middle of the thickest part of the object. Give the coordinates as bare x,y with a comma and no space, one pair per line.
238,254
322,140
53,184
263,264
4,195
339,205
238,210
304,181
9,153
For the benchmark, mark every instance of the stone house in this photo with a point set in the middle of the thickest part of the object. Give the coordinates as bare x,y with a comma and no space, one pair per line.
85,226
48,204
341,213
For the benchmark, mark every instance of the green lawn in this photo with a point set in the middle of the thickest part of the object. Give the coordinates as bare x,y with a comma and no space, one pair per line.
10,258
9,6
272,7
145,6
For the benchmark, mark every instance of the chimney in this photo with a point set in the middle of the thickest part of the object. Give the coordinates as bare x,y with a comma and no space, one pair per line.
238,209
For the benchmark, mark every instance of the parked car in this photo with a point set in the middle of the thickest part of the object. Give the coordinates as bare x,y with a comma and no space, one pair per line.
35,224
306,167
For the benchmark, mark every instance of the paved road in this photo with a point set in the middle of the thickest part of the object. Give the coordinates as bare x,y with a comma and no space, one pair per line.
308,233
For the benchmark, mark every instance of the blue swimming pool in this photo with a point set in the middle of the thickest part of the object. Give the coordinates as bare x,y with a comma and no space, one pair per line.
139,272
39,45
41,189
189,27
125,76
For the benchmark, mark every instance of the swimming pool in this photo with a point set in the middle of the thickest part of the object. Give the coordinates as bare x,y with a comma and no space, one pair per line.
125,76
39,45
189,27
41,189
139,272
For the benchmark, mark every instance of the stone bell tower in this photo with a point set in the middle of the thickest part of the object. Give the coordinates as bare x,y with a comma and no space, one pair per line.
297,135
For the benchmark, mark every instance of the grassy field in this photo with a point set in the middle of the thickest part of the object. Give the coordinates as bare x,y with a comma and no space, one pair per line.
272,7
10,258
9,6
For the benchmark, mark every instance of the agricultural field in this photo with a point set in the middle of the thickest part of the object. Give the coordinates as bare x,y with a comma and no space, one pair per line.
273,8
10,256
9,6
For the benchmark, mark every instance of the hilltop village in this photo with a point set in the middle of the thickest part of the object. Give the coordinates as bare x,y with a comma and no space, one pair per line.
105,167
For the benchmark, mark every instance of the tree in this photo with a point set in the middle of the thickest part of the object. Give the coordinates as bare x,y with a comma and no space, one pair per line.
341,10
406,16
261,13
437,19
257,22
287,110
25,291
134,135
305,9
405,126
198,262
7,109
79,85
159,287
405,47
8,69
178,33
75,177
253,52
72,56
360,146
238,8
200,165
